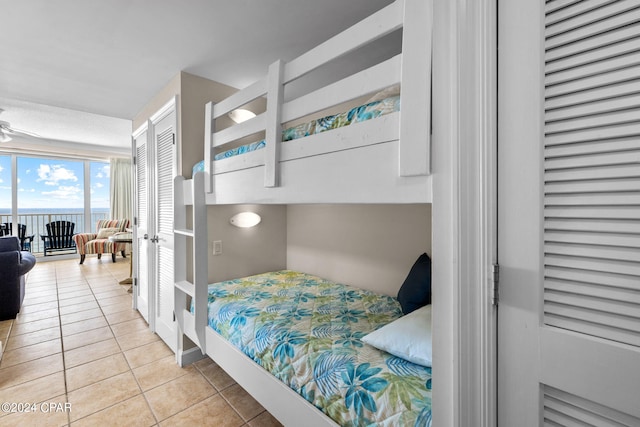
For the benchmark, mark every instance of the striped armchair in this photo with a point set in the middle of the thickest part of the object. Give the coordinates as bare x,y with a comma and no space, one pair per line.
98,243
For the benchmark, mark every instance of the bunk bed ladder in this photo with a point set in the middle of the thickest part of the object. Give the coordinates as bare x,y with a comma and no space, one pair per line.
190,323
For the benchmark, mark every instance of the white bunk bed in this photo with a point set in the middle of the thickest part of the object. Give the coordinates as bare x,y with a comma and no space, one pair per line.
383,160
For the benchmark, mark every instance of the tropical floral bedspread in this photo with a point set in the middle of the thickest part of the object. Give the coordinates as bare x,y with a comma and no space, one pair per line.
361,113
306,331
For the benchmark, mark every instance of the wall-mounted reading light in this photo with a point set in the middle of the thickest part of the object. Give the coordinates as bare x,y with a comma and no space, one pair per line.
241,115
245,219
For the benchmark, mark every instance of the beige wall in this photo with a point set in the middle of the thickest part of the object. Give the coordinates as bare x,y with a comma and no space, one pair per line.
195,93
368,246
247,251
167,93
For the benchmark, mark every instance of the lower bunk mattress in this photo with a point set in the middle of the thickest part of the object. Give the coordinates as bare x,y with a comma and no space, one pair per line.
306,331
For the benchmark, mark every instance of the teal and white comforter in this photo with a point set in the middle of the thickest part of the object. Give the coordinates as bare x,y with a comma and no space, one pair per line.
306,331
358,114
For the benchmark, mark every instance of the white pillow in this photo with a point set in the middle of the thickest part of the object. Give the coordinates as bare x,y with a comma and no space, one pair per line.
408,337
104,233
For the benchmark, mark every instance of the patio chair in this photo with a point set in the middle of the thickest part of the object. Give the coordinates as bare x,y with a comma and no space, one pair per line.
59,237
25,241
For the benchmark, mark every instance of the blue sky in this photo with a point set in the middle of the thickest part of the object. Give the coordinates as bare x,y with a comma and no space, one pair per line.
53,183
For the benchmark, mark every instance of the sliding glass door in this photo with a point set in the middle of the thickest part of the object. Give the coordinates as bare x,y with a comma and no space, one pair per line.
52,189
5,193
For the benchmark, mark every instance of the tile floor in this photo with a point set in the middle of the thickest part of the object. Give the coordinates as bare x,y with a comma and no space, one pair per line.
77,342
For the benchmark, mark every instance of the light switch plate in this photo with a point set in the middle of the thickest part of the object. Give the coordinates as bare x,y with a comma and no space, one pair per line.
217,247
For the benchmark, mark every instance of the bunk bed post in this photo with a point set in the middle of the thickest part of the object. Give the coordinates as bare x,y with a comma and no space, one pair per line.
209,128
200,258
179,262
415,117
273,132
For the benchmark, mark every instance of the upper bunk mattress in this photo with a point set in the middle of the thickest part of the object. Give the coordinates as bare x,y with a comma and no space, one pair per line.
307,332
358,114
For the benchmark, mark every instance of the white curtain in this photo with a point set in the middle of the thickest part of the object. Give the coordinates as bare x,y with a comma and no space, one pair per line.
121,189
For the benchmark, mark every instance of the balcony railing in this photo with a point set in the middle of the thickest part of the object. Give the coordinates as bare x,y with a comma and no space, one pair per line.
36,224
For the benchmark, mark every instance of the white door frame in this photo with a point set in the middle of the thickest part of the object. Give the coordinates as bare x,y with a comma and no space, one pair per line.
464,212
521,74
142,296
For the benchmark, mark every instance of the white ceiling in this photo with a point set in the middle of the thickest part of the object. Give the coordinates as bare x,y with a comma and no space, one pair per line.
79,71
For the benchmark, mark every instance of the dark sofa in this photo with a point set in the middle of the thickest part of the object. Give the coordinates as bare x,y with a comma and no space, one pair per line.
14,264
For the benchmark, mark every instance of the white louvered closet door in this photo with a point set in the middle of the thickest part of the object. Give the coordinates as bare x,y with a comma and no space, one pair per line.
164,165
579,322
141,250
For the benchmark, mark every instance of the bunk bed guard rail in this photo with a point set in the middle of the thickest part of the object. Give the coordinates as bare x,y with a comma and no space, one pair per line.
411,68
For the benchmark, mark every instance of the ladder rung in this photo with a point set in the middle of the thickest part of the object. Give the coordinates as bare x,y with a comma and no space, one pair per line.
186,287
184,232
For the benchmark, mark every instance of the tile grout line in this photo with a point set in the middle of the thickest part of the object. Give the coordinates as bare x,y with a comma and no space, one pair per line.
3,344
86,281
64,363
220,392
117,343
144,396
142,393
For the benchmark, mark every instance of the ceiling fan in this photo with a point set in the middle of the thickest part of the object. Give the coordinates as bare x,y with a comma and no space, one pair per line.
7,132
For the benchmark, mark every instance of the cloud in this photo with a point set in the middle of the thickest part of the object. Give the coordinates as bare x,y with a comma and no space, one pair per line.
64,192
98,185
104,172
52,175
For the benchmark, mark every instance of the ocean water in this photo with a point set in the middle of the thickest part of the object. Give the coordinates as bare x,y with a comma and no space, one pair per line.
42,211
36,219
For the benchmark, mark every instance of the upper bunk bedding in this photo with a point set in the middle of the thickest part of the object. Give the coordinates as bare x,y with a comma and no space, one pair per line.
367,111
307,332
